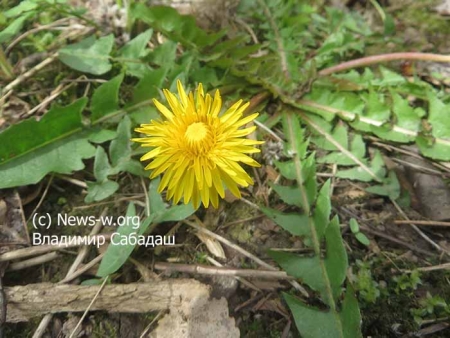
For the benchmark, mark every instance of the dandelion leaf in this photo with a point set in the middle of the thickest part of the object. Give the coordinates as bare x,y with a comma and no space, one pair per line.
105,99
313,323
116,255
89,55
133,52
296,224
58,143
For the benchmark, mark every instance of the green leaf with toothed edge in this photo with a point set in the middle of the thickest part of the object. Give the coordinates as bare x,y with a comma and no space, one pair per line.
57,143
325,270
296,224
89,55
135,50
116,255
98,191
105,99
162,213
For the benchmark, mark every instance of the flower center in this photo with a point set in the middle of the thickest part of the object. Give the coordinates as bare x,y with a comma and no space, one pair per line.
196,132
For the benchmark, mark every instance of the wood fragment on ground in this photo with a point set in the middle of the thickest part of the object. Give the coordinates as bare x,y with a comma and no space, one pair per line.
32,300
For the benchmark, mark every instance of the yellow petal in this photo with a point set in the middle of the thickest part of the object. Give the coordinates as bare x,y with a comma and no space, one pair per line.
205,196
213,197
195,196
231,185
217,182
151,154
173,103
163,109
208,177
217,104
245,120
188,186
182,94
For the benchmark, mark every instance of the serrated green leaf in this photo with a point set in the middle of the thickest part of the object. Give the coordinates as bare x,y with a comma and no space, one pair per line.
296,224
89,55
175,213
297,144
116,255
439,117
156,203
322,210
163,54
313,323
336,260
148,87
311,190
102,135
339,134
377,110
307,269
57,143
433,149
98,191
357,148
287,169
225,46
31,135
105,99
390,187
350,315
133,167
177,27
135,50
407,118
390,78
358,173
61,156
160,212
144,115
289,194
120,147
101,165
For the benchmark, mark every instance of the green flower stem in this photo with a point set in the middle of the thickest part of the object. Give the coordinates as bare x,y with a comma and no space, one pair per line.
307,210
374,59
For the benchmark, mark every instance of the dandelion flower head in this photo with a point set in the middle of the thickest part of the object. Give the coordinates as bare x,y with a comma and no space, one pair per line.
196,149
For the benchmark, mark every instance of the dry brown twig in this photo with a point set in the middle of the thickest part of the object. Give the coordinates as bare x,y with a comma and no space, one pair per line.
53,95
422,222
375,59
89,307
33,261
420,232
242,280
243,252
28,74
222,271
38,250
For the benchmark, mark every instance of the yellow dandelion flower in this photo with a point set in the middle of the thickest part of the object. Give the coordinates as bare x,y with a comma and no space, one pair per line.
196,150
